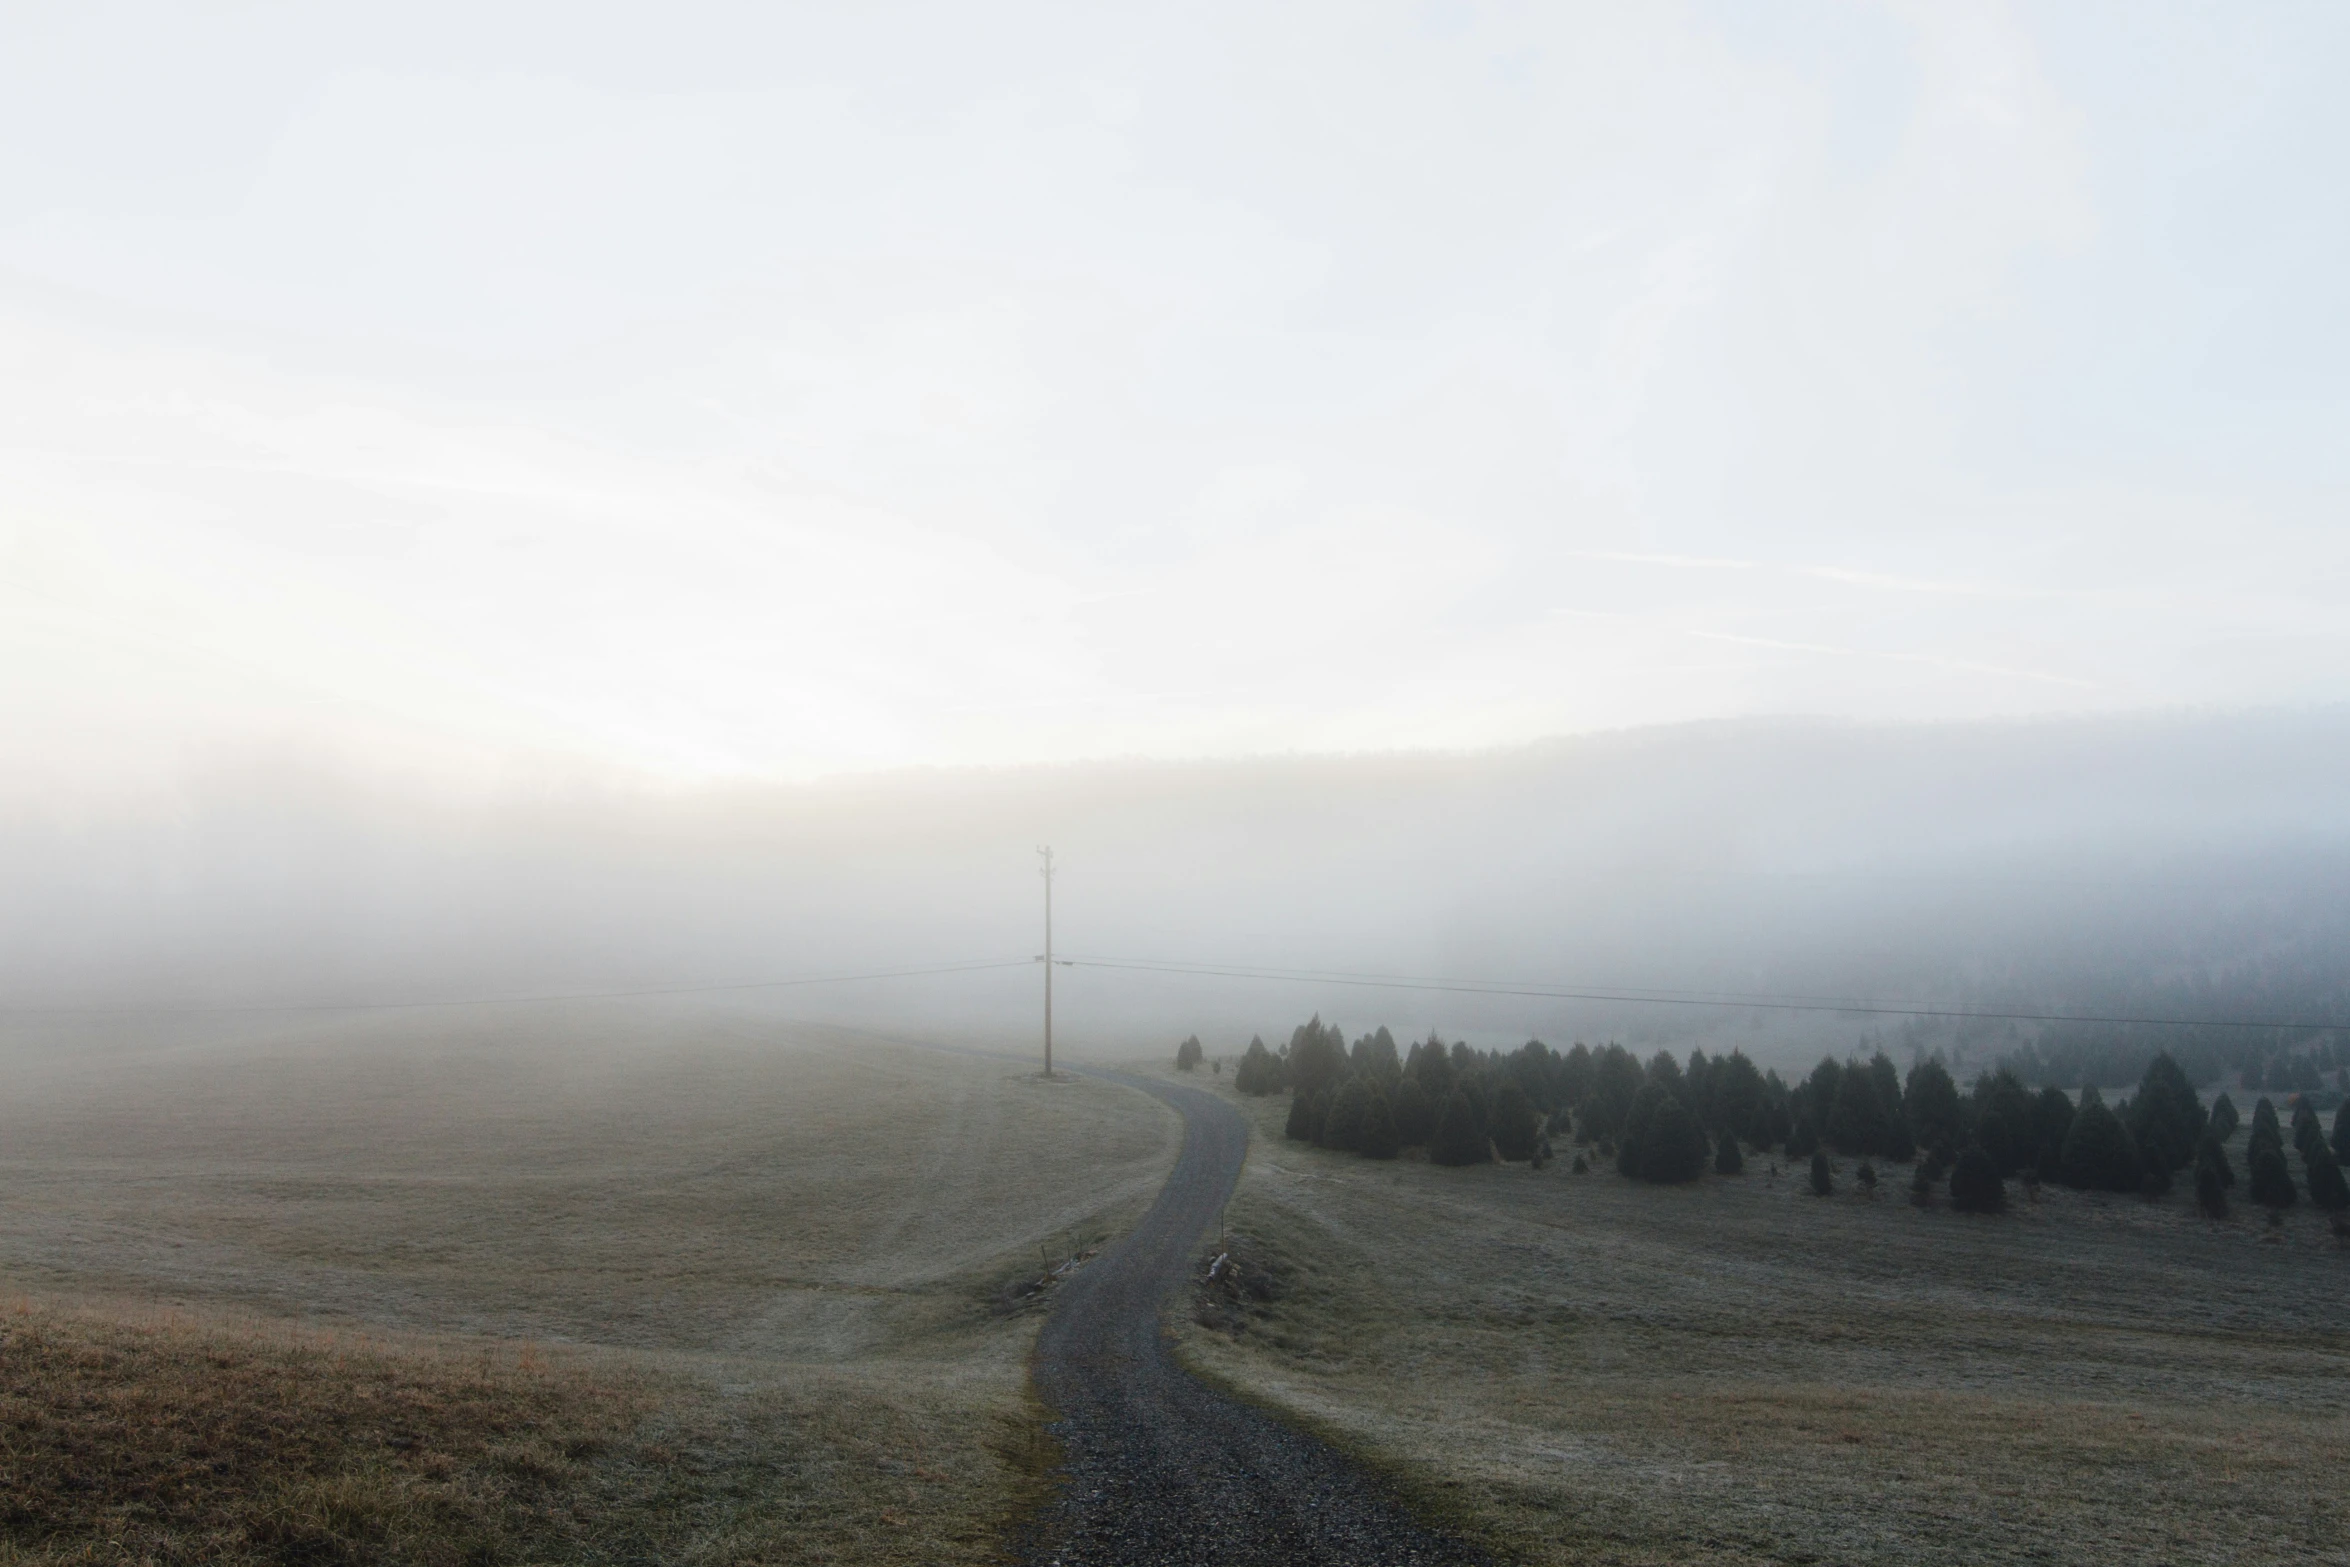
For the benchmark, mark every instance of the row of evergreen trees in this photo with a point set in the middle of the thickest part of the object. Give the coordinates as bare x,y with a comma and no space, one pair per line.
1666,1121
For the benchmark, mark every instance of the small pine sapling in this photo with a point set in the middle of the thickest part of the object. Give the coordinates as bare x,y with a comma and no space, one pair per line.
1821,1182
2327,1190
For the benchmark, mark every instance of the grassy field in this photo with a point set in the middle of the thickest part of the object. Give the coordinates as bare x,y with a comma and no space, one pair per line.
563,1286
1581,1369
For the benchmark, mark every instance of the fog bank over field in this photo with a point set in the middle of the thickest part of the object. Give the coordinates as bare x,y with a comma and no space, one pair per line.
2181,865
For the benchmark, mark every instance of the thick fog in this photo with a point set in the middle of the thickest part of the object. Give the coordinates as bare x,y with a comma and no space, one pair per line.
2191,866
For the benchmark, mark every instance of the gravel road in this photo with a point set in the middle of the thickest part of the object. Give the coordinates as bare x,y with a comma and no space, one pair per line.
1161,1468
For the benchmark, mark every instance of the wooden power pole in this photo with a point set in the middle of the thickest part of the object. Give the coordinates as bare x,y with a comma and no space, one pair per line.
1048,960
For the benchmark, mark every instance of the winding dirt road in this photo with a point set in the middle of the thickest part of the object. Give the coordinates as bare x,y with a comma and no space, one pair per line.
1161,1468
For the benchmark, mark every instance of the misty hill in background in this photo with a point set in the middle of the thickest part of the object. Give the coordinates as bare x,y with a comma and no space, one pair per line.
2192,866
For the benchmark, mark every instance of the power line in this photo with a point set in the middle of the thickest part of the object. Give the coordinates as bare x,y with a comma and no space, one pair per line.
514,1000
1670,998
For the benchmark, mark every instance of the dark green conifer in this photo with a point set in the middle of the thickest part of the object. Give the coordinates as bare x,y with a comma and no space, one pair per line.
1900,1147
1515,1127
1460,1135
1857,1120
1930,1103
1415,1116
1822,1182
2098,1153
1644,1107
1318,1114
1804,1140
2211,1193
2166,1117
1260,1070
2342,1131
2224,1120
2209,1152
2327,1190
2052,1123
1728,1160
2272,1181
1975,1185
1188,1055
2307,1134
1300,1126
1344,1130
2264,1124
1672,1147
1379,1138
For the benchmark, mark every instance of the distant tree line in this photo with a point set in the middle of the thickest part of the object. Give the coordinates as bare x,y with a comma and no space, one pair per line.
1669,1121
2112,1057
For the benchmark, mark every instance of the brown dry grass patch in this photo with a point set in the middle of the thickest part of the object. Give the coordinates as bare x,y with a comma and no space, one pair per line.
587,1287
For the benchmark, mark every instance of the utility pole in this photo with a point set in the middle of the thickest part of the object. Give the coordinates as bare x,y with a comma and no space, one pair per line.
1048,960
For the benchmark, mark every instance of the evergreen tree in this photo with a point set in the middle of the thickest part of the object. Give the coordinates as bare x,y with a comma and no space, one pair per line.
1727,1159
1379,1138
2166,1116
1575,1075
2224,1120
2327,1189
1930,1103
1415,1116
1857,1120
1644,1107
1804,1140
2342,1131
2098,1153
2307,1134
1300,1127
1373,1057
2052,1124
2211,1193
1900,1147
2264,1124
1188,1055
1317,1056
2015,1141
1740,1103
1666,1073
1615,1080
1260,1070
1819,1092
1431,1065
1975,1186
1822,1182
1867,1176
1460,1136
2271,1183
1515,1128
2209,1152
1921,1182
1318,1118
1672,1147
1886,1080
1344,1129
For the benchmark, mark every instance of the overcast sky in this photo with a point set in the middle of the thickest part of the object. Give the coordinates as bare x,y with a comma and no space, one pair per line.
710,392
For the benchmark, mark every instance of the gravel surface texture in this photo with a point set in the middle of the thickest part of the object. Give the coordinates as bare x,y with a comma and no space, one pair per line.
1160,1468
